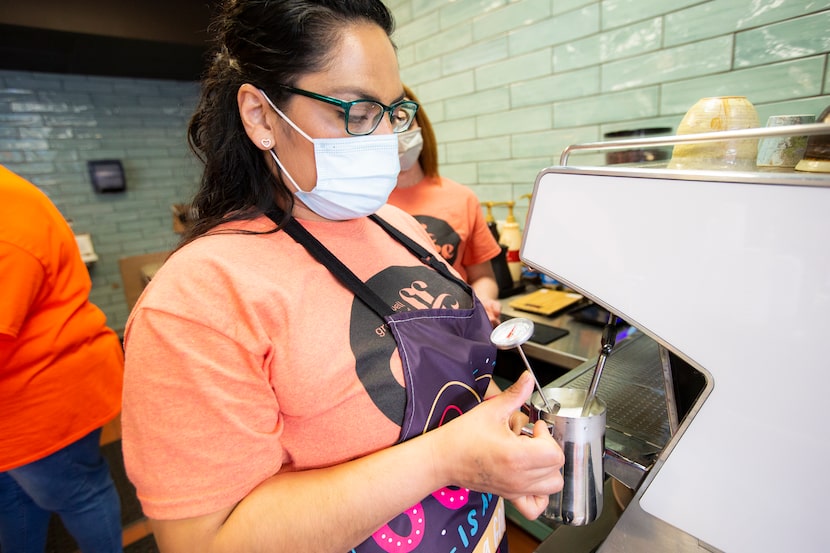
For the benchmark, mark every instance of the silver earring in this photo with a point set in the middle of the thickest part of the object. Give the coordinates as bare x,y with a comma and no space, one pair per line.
266,143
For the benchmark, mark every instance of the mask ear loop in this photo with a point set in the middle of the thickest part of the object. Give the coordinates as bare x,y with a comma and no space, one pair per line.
283,169
271,150
285,117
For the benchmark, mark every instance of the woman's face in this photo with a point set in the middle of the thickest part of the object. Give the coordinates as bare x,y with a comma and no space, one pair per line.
362,66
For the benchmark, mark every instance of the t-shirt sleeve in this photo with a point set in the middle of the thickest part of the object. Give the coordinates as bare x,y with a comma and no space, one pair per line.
22,277
191,402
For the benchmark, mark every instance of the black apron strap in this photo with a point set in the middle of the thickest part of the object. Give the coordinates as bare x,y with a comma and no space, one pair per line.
319,252
427,257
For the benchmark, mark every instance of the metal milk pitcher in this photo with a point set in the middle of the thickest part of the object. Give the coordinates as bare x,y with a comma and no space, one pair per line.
582,439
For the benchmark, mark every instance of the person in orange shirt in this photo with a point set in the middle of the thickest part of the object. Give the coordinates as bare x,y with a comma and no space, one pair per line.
450,212
304,372
61,372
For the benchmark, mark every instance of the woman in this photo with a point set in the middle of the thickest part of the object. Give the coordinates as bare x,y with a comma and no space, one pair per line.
449,211
278,396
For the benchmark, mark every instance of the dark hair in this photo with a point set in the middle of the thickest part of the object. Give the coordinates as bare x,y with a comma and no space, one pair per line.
429,153
265,43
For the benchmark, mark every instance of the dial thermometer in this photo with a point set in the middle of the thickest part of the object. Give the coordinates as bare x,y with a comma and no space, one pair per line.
512,333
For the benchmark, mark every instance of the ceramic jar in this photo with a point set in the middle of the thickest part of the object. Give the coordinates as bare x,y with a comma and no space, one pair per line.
783,151
718,113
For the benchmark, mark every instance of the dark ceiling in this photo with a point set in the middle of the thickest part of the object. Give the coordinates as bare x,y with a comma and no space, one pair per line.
163,39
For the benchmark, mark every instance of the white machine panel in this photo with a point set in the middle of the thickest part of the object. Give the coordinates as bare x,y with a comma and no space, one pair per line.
735,278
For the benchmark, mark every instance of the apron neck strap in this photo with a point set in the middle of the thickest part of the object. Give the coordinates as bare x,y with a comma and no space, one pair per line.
319,252
426,257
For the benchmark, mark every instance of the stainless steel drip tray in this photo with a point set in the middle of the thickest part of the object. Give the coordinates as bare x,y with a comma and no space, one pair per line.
637,421
628,459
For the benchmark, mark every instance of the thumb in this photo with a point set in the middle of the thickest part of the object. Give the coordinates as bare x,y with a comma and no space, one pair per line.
519,392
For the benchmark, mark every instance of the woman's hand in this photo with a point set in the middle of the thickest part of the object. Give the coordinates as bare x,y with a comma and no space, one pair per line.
531,506
480,451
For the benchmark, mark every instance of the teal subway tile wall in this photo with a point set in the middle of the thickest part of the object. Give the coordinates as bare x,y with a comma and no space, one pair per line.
577,69
792,39
51,125
508,84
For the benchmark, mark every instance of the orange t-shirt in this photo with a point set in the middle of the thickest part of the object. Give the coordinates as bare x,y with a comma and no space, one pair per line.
61,368
246,357
452,216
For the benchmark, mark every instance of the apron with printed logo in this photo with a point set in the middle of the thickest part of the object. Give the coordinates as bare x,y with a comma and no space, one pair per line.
447,361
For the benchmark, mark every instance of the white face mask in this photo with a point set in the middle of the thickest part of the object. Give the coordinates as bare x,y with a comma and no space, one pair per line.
355,175
410,144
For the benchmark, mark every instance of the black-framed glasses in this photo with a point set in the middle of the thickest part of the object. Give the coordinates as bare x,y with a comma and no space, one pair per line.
363,116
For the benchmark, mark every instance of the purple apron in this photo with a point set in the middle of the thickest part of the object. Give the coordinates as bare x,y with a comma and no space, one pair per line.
447,362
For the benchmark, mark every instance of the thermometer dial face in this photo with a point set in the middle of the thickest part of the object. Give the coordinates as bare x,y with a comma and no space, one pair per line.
511,333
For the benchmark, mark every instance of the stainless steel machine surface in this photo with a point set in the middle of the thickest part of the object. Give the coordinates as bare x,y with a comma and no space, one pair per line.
729,272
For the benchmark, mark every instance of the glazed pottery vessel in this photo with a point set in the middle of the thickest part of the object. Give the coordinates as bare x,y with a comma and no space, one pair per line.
718,113
783,151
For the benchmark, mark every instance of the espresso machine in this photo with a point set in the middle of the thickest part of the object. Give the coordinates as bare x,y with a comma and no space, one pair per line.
726,276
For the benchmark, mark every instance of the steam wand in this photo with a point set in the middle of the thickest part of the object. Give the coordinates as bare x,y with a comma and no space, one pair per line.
609,337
